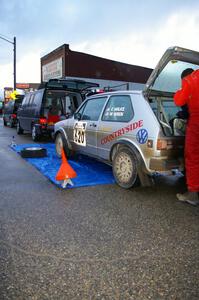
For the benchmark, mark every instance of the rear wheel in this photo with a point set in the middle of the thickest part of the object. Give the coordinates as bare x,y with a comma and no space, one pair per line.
11,123
60,144
19,129
34,133
125,168
4,122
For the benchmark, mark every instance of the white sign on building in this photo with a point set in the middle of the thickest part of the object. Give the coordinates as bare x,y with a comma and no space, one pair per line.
52,70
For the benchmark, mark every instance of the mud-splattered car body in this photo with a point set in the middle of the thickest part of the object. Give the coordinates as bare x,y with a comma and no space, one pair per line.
137,132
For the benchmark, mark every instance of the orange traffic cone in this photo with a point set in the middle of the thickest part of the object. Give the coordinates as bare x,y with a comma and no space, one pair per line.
65,172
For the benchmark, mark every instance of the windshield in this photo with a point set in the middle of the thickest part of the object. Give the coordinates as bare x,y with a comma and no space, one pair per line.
169,79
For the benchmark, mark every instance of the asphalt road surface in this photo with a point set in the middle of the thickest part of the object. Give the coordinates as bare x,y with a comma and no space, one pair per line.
93,243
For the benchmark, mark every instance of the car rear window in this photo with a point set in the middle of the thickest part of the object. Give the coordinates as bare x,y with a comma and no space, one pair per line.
118,109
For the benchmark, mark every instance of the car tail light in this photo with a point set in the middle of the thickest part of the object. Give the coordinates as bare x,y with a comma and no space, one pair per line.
43,121
164,144
14,116
100,91
150,143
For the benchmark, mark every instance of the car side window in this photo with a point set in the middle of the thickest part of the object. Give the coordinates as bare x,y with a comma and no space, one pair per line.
25,100
93,108
31,100
118,109
80,110
37,98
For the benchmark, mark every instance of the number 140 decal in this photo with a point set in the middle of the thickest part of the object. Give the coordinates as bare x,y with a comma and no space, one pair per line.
79,133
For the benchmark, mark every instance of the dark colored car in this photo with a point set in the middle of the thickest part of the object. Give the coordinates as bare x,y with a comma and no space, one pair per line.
10,111
55,101
1,107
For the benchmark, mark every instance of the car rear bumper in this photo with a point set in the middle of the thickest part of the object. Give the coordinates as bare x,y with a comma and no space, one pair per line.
165,164
45,129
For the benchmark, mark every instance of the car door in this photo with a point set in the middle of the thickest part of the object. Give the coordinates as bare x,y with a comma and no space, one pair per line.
85,126
115,123
22,112
7,109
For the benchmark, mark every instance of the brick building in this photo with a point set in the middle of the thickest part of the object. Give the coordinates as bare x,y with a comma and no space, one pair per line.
63,62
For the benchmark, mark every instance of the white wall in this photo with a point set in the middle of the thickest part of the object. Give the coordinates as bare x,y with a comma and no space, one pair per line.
118,85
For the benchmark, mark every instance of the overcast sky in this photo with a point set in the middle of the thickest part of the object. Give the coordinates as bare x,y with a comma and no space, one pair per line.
131,31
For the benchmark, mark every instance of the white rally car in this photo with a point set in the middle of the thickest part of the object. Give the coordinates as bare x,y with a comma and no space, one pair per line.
137,132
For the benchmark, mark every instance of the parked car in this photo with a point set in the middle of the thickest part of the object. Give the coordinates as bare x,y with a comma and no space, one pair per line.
10,111
1,107
137,132
57,100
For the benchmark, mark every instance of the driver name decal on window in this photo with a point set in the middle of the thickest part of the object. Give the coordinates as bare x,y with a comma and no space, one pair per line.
79,133
115,112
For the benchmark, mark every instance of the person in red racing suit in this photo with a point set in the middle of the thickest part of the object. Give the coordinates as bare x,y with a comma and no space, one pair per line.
189,95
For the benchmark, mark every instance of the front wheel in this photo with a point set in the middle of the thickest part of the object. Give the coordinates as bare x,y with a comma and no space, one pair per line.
34,133
60,144
125,168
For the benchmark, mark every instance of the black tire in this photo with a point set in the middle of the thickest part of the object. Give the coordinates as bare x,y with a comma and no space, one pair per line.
4,122
11,123
125,168
33,152
60,143
35,136
19,129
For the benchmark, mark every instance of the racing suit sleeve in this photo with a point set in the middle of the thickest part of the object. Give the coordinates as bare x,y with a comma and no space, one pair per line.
181,96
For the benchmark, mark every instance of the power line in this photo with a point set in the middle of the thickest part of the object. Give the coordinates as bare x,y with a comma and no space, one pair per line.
6,37
6,40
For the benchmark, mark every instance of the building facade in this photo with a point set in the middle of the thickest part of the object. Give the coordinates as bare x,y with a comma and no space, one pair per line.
65,63
28,87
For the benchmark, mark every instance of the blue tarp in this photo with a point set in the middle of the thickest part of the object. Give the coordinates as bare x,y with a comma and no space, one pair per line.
89,171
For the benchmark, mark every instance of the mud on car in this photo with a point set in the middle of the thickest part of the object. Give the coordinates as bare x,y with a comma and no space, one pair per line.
139,133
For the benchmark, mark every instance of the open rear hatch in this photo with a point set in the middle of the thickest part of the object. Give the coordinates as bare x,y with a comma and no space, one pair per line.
63,97
74,85
164,81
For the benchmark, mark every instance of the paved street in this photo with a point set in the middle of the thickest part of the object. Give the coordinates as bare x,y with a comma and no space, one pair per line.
93,243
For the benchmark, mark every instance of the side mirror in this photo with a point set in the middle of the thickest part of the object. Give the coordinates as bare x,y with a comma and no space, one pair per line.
77,116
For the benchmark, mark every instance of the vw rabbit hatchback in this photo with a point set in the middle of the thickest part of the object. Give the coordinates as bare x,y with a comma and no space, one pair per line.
139,133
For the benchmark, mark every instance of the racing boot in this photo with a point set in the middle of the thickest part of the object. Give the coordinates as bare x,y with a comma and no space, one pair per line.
189,197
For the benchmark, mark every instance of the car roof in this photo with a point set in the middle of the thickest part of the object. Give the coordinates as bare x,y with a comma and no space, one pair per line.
120,92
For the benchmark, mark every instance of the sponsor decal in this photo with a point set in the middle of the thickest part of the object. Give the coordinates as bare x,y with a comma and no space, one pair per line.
79,133
122,131
142,136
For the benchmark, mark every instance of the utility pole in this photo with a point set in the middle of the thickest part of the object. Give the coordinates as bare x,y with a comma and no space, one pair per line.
14,55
